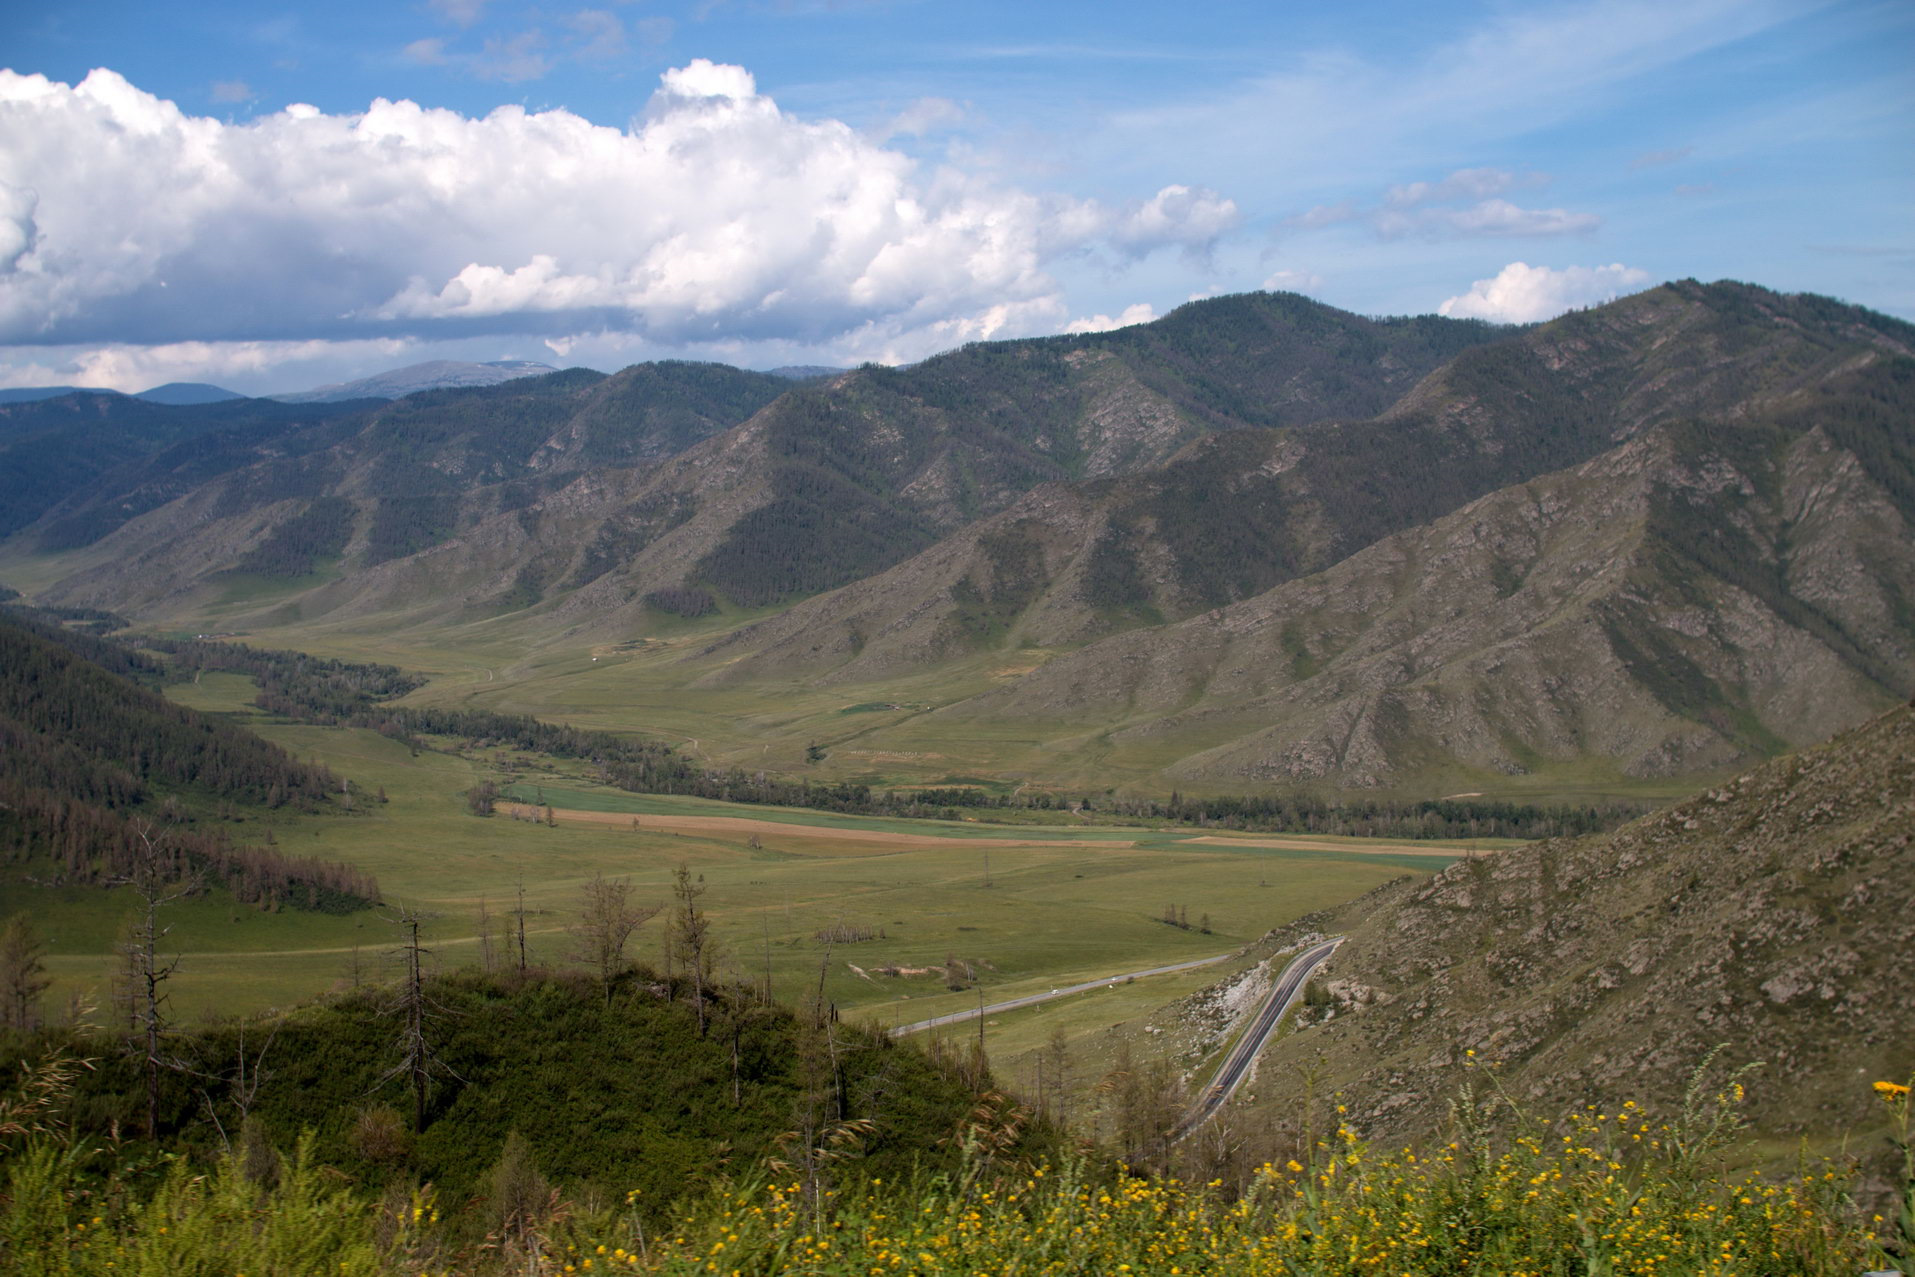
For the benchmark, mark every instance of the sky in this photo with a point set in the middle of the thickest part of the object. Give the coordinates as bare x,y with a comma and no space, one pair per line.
276,197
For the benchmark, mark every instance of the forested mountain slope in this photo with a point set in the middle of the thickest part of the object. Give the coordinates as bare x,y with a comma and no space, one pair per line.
99,775
1239,512
1697,598
382,482
834,480
77,450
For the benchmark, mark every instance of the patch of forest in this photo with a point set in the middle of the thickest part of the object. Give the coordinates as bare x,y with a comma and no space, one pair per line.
98,771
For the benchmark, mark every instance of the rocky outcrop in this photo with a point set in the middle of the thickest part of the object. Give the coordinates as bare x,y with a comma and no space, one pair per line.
1770,913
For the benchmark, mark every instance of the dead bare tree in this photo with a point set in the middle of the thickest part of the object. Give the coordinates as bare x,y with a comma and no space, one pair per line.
242,1089
1056,1063
518,916
607,918
157,884
418,1061
765,918
822,1135
691,931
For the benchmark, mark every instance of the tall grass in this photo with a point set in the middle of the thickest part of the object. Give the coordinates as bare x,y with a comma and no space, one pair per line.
1593,1193
1615,1193
1582,1204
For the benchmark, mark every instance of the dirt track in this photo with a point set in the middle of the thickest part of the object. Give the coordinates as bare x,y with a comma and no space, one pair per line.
1305,844
744,826
778,829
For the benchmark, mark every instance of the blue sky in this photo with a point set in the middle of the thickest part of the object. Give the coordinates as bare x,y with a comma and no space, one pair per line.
270,198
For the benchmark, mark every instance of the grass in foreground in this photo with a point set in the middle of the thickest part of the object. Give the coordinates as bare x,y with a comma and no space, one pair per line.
1597,1193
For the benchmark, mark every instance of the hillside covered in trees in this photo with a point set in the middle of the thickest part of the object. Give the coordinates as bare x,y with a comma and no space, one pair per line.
98,772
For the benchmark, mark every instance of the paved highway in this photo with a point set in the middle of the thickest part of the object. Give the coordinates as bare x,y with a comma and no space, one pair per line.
1035,998
1289,988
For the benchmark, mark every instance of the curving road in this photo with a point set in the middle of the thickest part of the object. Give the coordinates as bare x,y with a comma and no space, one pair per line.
1289,988
1066,991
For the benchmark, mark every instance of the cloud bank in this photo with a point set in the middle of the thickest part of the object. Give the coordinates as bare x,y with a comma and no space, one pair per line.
715,216
1523,294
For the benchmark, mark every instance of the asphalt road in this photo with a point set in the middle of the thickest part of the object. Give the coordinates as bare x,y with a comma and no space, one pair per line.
1035,998
1289,988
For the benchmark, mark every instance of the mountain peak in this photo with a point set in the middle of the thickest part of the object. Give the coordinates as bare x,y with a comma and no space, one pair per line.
434,374
188,393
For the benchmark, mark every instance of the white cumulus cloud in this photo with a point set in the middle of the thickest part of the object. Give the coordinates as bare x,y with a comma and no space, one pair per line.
1140,313
1293,281
715,216
1189,218
1522,294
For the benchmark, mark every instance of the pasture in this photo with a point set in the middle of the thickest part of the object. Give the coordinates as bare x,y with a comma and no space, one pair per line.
887,913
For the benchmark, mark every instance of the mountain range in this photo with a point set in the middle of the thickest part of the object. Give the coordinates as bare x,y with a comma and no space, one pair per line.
1259,542
435,374
178,393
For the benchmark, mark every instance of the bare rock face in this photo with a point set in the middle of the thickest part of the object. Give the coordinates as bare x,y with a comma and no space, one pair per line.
1771,913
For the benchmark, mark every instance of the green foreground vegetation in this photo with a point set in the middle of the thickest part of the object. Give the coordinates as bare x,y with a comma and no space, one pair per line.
1591,1192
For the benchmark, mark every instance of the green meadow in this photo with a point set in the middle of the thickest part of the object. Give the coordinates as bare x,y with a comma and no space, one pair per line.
1015,909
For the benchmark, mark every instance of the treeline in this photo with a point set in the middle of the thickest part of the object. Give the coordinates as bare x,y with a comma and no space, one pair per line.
97,771
312,689
59,840
1366,818
1378,818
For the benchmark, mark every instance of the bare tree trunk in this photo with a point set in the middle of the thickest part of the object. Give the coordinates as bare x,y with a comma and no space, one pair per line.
606,920
766,919
146,973
519,913
692,935
417,1060
485,937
